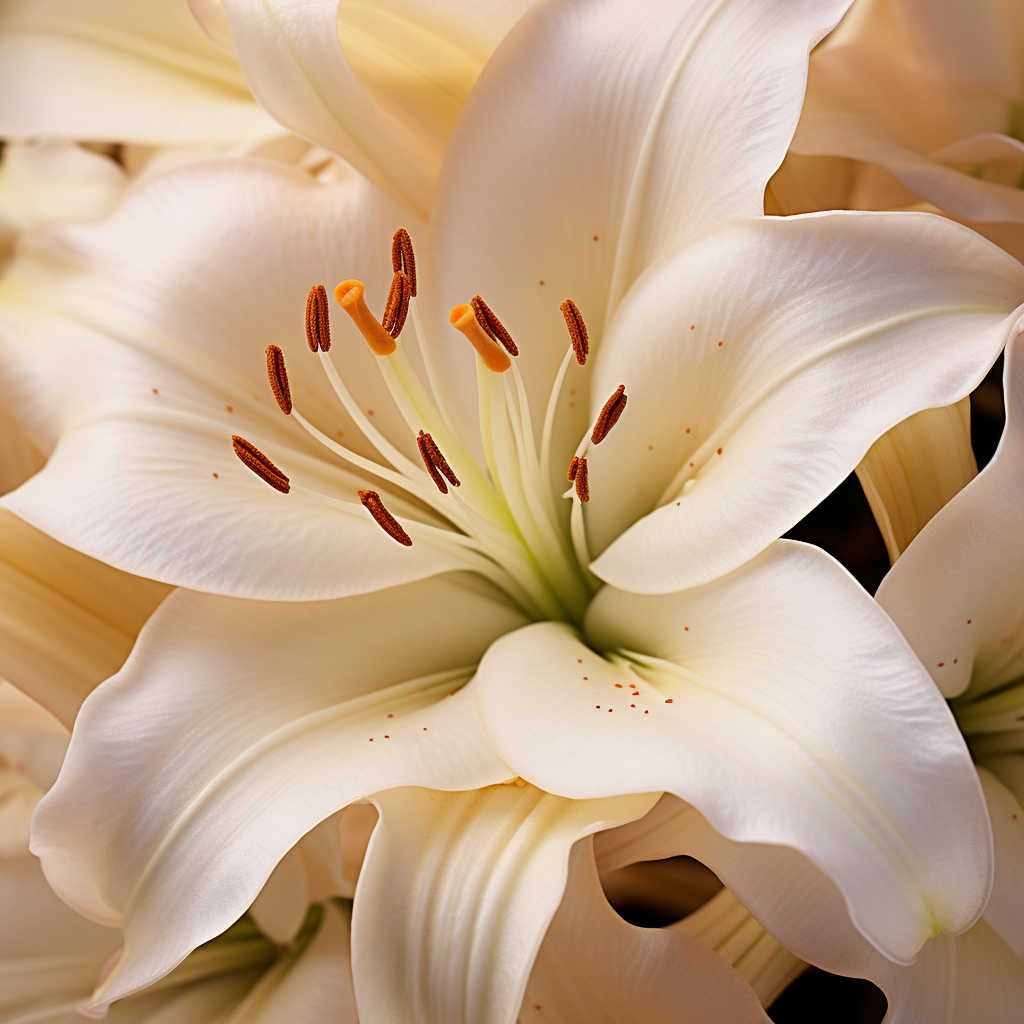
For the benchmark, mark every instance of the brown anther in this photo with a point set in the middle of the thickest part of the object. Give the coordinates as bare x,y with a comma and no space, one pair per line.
318,321
582,481
350,297
609,415
403,259
577,330
278,377
436,463
493,326
573,467
385,520
463,318
397,307
255,460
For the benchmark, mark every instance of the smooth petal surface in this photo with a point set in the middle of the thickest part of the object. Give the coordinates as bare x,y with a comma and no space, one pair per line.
67,622
380,84
598,136
974,977
1005,910
136,347
780,701
456,894
594,968
785,346
957,592
120,71
273,717
913,470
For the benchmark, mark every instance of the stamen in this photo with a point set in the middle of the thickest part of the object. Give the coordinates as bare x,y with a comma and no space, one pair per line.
278,377
436,463
573,468
318,321
577,330
463,318
255,460
350,297
493,326
582,478
397,307
403,259
385,520
609,415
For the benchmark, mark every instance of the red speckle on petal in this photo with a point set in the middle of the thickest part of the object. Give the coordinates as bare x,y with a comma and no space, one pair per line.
692,326
719,451
215,477
540,282
720,344
391,716
691,465
650,447
586,677
598,706
955,660
687,628
229,409
595,239
369,412
941,663
669,701
579,661
618,686
371,739
156,391
1005,640
647,712
678,503
687,429
968,622
610,710
424,728
632,705
386,736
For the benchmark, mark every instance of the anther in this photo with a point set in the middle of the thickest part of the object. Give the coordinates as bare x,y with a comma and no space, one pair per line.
255,460
403,259
582,479
609,415
278,376
436,463
493,326
350,297
385,520
318,321
463,318
397,307
573,467
577,330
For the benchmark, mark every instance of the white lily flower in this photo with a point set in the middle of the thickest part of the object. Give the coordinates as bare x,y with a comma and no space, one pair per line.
315,661
926,96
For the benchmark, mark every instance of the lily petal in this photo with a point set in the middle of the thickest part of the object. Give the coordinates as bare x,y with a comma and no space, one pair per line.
785,346
273,717
1005,910
380,84
456,894
782,702
558,182
120,72
100,352
67,622
594,968
956,592
962,980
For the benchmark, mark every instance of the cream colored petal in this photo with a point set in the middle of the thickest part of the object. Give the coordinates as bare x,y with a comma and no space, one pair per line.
67,622
726,926
783,703
1005,910
120,71
273,716
594,968
911,471
956,593
456,894
964,980
599,136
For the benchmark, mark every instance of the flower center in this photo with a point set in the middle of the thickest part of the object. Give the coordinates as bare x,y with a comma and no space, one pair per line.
501,522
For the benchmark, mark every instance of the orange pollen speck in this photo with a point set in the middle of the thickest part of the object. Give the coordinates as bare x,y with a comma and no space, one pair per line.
609,415
577,329
403,259
255,460
318,321
384,519
278,377
437,465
